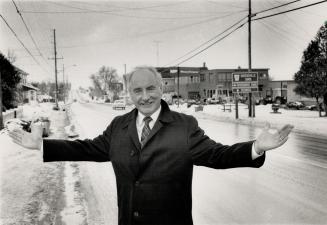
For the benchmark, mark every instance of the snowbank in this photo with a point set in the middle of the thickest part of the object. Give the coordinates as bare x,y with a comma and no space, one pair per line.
303,120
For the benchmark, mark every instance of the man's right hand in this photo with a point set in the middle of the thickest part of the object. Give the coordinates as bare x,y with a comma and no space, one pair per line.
31,140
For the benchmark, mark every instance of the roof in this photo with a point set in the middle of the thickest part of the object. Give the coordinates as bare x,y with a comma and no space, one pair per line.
29,87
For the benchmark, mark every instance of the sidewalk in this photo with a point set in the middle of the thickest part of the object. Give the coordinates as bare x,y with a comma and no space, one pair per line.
304,121
31,191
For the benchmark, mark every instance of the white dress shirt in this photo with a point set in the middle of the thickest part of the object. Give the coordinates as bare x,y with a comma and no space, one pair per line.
140,122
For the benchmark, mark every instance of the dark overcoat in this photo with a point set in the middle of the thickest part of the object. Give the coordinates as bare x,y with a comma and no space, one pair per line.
154,183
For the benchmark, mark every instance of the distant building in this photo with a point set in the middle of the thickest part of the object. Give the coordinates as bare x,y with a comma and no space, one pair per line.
28,91
200,82
285,88
218,82
187,84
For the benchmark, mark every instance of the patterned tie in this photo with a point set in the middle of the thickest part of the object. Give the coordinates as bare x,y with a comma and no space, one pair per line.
146,129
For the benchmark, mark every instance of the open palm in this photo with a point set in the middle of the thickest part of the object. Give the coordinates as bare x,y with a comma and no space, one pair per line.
31,140
268,140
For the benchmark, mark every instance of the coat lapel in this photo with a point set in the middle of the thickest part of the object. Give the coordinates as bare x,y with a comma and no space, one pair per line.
154,130
164,117
132,131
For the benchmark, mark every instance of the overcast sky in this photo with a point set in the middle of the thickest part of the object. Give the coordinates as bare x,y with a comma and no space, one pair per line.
91,34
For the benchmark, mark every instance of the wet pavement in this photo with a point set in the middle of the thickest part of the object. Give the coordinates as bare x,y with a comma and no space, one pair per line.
289,189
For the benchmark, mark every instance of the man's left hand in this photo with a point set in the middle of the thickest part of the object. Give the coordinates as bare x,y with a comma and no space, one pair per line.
267,140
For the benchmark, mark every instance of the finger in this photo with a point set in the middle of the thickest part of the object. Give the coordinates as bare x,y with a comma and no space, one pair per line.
282,141
17,142
16,138
18,131
267,126
14,134
285,130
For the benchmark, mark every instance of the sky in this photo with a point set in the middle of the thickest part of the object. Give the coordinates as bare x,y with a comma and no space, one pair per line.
91,34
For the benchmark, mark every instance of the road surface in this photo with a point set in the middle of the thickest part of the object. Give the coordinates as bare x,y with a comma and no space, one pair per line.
291,187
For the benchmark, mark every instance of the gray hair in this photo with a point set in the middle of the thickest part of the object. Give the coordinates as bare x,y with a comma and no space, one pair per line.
149,68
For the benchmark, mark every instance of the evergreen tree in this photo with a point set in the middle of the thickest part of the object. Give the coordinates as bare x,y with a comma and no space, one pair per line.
311,79
10,77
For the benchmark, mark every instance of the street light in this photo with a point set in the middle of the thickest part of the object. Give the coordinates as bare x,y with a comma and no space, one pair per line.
63,78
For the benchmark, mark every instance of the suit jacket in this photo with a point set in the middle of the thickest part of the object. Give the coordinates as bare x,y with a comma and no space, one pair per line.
154,184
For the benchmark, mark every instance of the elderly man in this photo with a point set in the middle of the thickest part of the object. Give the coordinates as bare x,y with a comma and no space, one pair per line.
153,151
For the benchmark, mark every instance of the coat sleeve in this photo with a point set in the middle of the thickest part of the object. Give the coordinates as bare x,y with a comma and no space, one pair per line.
96,149
206,152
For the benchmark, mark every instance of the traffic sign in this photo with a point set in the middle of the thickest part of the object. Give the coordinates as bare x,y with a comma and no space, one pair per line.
245,82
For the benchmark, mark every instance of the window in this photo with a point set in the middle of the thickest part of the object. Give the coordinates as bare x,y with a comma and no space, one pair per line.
202,78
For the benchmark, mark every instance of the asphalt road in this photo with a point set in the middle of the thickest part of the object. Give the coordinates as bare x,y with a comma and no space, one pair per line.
291,187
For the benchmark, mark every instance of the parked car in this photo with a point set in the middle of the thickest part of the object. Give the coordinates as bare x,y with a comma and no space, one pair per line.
119,104
213,101
295,105
314,107
280,100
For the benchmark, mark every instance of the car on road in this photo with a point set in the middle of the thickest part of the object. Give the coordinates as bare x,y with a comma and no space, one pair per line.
314,107
295,105
119,104
213,101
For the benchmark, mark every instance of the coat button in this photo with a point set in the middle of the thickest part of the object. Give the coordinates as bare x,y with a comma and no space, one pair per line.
136,214
137,183
132,153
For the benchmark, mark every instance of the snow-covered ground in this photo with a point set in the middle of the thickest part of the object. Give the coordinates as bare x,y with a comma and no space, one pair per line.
27,183
303,120
33,192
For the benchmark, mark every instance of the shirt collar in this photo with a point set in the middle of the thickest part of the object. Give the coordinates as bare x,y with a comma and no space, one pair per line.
154,116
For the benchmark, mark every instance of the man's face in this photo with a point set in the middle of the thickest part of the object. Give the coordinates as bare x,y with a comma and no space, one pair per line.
145,91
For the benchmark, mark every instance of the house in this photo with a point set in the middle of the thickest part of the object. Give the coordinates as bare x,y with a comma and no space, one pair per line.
28,92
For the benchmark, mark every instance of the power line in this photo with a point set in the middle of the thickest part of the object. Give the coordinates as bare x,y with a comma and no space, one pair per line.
21,42
275,14
220,39
157,6
155,32
277,6
211,39
29,32
245,23
114,12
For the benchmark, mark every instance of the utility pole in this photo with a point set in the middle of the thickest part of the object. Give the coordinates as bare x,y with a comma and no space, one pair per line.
125,80
249,56
55,59
178,71
56,71
1,116
157,44
63,83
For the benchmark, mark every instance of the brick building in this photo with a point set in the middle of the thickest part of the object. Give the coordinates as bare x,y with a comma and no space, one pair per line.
199,82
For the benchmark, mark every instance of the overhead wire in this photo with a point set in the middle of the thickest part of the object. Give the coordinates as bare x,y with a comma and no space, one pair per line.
156,32
30,33
276,7
220,39
154,10
111,12
211,39
286,11
251,20
281,34
28,51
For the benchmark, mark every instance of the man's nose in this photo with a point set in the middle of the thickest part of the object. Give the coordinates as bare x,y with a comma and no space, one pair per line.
145,95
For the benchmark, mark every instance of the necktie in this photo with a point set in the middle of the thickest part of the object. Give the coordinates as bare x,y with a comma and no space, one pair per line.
146,129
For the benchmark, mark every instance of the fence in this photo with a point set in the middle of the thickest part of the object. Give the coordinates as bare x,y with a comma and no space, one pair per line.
13,113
